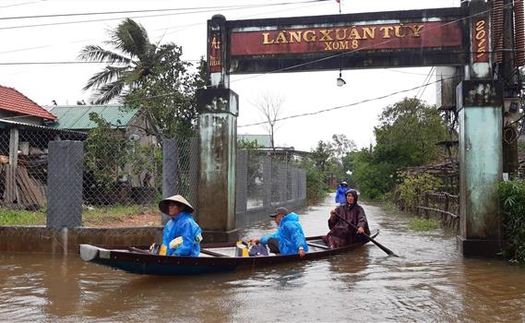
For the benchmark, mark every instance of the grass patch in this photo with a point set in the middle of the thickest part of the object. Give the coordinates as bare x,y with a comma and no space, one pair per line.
101,215
419,224
22,217
95,216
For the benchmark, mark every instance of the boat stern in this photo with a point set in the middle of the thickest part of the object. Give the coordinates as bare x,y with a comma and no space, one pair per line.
89,252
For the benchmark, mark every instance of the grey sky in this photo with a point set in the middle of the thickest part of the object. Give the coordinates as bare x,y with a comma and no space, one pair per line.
351,110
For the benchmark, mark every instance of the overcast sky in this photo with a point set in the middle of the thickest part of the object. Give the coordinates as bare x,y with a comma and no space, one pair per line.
314,107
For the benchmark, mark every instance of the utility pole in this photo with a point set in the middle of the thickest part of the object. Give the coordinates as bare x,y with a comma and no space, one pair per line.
508,72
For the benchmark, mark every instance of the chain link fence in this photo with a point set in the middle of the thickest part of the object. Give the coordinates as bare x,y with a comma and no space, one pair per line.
23,165
265,182
122,179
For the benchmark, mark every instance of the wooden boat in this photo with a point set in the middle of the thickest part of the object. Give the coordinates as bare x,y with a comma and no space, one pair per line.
214,258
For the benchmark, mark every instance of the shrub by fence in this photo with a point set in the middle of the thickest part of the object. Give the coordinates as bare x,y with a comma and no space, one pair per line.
443,205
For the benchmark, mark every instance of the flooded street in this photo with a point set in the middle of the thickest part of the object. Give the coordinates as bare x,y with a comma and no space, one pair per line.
429,282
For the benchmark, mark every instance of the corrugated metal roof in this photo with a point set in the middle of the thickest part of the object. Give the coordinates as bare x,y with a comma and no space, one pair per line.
77,116
24,125
14,101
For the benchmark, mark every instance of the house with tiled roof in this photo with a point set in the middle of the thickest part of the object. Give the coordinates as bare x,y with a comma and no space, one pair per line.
25,134
14,106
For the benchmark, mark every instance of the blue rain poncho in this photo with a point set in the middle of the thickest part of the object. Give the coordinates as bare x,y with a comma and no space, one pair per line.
291,235
340,194
183,225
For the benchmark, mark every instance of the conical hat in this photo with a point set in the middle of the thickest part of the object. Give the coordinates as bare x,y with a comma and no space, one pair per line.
163,205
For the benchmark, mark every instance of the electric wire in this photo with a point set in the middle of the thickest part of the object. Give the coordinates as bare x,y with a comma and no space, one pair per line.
340,106
420,92
331,57
193,11
246,6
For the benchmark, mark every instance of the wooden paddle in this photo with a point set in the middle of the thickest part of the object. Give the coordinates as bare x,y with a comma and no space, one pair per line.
385,249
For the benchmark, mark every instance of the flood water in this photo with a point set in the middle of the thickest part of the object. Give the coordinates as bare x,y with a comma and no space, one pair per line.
429,282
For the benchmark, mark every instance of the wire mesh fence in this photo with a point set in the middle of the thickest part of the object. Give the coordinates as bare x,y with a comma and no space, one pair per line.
269,181
23,162
121,179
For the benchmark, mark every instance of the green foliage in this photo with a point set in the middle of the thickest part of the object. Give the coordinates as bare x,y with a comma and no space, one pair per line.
96,216
408,133
407,136
316,187
413,185
341,145
372,178
150,76
512,201
325,161
249,145
106,152
322,155
167,97
21,217
419,224
147,160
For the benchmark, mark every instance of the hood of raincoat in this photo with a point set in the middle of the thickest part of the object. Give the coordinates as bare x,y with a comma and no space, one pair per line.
290,217
354,193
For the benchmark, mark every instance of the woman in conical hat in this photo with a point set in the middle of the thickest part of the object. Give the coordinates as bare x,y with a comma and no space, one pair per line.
181,226
163,205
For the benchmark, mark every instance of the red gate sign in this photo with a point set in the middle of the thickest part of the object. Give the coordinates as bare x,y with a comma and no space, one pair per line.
215,53
439,34
480,41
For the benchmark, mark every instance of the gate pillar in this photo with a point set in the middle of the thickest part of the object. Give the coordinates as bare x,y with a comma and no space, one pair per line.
479,106
480,154
218,111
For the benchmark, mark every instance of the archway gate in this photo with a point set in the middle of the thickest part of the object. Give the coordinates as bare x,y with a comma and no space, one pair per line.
458,38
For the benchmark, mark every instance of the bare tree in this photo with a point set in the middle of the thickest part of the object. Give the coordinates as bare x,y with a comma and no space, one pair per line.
270,106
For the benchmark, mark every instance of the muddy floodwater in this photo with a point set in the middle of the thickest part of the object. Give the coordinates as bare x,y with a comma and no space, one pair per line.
429,282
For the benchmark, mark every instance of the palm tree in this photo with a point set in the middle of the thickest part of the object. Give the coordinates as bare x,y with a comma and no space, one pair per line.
150,76
133,60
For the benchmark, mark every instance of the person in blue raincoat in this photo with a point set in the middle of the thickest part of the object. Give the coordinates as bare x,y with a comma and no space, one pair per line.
289,235
340,194
182,235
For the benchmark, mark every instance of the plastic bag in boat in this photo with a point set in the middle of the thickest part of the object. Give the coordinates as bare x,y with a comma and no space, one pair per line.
258,250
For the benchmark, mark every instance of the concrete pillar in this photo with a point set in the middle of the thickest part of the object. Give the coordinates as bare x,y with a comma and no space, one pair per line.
170,171
479,104
267,181
218,110
480,149
64,184
13,147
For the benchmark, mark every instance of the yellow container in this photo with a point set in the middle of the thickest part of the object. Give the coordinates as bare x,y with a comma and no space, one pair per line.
242,250
163,249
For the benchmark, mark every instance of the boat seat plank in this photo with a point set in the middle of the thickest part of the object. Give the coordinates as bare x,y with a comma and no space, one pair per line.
318,245
212,253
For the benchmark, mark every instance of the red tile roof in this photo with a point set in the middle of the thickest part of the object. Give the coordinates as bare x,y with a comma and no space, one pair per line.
13,101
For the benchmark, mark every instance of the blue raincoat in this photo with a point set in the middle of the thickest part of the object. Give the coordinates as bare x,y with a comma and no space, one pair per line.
183,225
290,235
340,194
264,240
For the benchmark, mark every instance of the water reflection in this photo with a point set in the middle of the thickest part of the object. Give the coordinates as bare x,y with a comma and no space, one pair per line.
430,282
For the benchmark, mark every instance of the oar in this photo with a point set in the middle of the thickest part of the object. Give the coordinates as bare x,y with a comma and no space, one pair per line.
385,249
